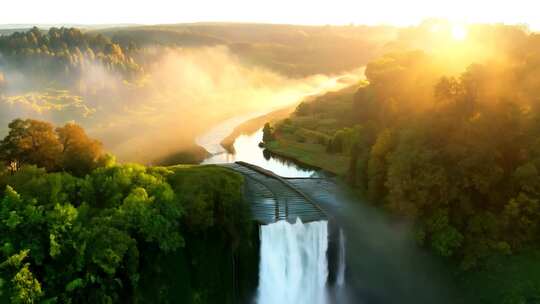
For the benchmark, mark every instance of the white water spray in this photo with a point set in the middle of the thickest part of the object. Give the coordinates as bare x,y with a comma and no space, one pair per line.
293,267
340,280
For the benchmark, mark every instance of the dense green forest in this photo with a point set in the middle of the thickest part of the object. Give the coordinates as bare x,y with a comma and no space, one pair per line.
456,153
77,228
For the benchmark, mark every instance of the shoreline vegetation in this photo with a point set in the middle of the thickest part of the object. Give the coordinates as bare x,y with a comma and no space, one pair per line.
251,126
306,144
289,150
193,155
303,153
308,155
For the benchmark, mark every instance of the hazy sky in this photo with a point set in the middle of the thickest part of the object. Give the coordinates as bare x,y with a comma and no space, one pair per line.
400,12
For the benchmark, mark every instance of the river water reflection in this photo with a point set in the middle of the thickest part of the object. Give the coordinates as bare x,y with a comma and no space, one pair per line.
246,148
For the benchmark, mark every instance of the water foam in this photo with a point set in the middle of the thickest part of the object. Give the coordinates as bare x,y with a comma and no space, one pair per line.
340,277
293,266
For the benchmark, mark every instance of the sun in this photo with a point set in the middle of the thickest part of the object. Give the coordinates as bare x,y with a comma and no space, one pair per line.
459,32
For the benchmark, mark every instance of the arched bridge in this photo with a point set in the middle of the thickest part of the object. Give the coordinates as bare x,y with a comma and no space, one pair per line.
273,198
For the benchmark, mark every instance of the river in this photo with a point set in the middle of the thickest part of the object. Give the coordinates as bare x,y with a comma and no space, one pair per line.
247,149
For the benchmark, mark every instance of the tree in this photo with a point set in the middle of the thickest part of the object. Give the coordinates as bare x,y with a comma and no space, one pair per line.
30,142
447,89
114,50
268,133
353,164
520,218
377,164
303,109
416,180
23,287
155,218
80,154
445,239
68,148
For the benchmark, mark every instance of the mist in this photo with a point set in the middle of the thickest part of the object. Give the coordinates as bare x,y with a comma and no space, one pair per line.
183,93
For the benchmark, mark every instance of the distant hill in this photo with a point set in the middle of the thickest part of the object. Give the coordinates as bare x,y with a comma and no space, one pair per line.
47,26
293,50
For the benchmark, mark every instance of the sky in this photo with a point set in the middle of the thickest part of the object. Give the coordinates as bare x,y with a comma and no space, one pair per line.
315,12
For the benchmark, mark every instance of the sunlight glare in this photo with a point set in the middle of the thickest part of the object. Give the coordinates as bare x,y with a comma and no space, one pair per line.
459,32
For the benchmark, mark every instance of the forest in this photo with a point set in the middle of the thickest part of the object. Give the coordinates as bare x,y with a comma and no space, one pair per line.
455,152
67,52
78,228
63,52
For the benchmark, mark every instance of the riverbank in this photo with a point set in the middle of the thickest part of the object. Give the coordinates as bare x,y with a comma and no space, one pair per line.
288,150
192,155
251,126
308,154
305,134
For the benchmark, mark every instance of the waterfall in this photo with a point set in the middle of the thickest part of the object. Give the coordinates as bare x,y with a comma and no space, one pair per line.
293,266
340,277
